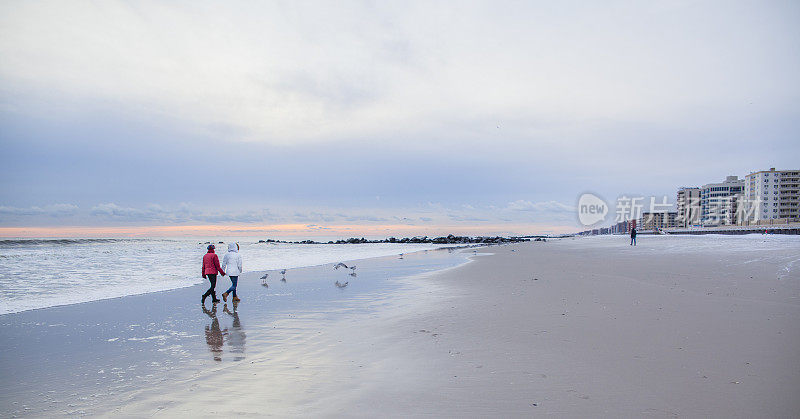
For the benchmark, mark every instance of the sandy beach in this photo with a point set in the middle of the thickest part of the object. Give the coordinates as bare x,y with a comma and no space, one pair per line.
576,328
591,327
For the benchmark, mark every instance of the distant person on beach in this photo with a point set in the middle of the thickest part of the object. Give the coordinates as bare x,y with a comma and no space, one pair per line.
633,236
232,264
210,270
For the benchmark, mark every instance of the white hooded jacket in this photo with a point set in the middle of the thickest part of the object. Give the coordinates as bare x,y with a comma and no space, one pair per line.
232,261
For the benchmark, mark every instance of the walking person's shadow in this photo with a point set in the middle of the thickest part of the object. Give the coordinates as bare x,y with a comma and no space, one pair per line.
214,335
236,335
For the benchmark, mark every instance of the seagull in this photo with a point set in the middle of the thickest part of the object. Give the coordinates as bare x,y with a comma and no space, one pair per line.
401,256
265,276
340,285
353,268
283,271
340,265
353,274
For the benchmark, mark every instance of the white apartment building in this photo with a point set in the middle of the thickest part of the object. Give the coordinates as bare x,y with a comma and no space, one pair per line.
719,201
688,204
772,194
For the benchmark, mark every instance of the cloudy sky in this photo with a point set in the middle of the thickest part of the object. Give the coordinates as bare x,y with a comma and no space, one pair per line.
345,118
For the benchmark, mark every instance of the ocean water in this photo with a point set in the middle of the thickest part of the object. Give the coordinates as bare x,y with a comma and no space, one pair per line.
39,273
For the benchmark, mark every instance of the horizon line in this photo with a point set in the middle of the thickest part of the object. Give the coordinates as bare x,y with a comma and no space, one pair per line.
293,230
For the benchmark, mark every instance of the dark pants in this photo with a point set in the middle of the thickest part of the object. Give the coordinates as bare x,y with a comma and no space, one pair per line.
211,291
633,241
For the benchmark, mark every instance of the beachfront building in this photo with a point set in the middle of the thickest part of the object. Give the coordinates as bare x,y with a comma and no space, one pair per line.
789,195
719,201
622,227
772,195
688,203
658,220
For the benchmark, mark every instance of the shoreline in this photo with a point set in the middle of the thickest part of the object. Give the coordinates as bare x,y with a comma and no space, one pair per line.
115,346
181,277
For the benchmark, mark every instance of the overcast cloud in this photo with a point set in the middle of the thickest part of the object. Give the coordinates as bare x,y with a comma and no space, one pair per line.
423,113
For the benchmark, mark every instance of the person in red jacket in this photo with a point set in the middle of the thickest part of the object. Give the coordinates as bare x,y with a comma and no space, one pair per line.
210,270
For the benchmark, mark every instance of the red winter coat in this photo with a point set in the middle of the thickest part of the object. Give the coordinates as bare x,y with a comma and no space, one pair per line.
211,264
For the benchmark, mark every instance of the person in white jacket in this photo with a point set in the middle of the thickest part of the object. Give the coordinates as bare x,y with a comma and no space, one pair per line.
232,265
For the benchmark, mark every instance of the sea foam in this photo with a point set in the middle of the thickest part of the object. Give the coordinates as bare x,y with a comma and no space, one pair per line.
39,273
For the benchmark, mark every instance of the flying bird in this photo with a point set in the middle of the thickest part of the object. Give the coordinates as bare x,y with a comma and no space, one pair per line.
340,285
340,265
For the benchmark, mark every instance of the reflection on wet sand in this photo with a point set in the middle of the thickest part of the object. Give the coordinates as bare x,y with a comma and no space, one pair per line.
236,336
214,337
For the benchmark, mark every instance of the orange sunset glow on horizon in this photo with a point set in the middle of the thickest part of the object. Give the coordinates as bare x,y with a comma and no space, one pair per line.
280,230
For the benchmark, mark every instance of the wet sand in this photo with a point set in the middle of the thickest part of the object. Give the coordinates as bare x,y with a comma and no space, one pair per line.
574,328
90,358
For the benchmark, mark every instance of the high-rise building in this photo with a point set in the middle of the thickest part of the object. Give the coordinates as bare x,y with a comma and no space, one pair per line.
658,220
719,201
772,194
688,204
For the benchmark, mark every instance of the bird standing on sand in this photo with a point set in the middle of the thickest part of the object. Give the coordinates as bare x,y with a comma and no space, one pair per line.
264,281
342,265
283,272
